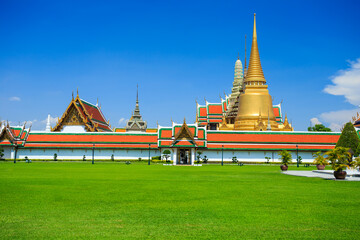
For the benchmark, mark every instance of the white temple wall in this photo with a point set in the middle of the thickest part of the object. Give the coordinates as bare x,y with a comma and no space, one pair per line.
253,156
7,152
77,154
122,154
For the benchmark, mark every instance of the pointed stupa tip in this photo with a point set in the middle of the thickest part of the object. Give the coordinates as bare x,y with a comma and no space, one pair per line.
255,72
137,93
48,126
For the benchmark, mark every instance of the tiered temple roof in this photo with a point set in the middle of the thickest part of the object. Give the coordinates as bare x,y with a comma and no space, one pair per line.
82,113
13,136
136,123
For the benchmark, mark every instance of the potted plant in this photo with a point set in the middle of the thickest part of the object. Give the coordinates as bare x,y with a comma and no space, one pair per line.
285,158
205,159
320,161
339,158
234,159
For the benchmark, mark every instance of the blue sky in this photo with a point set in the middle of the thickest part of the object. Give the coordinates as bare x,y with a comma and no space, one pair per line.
177,51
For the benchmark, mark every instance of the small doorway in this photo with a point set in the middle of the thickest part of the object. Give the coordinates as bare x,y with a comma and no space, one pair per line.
184,156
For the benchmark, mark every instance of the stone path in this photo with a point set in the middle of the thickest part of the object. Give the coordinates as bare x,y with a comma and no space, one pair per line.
325,174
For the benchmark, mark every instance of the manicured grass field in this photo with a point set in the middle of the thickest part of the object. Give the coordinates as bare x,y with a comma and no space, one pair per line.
113,200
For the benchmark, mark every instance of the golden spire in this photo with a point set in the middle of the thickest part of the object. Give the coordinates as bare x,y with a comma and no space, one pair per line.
245,66
255,72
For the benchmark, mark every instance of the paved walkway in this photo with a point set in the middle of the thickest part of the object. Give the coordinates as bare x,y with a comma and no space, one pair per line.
325,174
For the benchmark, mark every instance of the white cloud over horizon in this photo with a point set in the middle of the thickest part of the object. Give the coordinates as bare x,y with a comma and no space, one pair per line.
344,83
15,99
347,83
122,122
336,119
315,121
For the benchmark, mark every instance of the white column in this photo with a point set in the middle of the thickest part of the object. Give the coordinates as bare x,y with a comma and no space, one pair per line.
174,156
192,156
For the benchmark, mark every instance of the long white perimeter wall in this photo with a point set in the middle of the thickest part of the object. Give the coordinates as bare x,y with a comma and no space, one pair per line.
121,154
253,156
77,154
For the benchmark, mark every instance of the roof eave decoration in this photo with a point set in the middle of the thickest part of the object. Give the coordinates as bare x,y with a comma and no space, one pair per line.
187,135
84,117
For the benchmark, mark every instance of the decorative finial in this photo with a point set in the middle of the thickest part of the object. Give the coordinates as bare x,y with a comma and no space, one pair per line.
157,123
77,92
184,120
238,55
97,102
72,95
205,99
255,75
137,93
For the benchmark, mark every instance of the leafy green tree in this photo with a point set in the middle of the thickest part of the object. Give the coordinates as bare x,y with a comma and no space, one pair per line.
357,151
319,128
349,138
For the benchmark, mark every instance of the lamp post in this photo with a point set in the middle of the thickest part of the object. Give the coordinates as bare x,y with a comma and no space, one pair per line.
93,153
297,156
15,150
149,155
222,155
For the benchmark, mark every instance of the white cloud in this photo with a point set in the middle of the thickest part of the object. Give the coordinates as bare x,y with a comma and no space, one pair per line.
53,121
15,99
347,83
121,120
315,121
336,119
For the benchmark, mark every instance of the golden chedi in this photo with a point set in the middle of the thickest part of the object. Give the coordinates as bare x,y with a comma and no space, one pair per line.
255,105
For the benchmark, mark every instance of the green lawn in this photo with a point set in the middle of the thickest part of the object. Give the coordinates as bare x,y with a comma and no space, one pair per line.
115,200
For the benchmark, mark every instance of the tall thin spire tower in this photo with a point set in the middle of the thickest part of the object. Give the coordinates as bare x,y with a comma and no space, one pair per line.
256,98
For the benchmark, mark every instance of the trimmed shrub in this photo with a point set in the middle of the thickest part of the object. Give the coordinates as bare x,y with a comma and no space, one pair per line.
349,138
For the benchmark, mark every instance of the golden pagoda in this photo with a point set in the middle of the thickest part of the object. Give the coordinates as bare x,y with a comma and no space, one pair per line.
255,105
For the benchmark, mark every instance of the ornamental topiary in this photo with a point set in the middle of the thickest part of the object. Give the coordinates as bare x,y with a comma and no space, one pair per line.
166,155
349,138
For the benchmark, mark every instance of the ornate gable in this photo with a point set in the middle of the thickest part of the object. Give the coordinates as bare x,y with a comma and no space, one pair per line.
82,113
184,137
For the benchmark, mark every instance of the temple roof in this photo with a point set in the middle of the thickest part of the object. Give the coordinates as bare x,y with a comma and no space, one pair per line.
136,123
83,113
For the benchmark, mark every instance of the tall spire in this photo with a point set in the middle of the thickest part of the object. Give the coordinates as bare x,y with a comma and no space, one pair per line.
137,93
136,123
255,75
245,66
137,109
48,126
